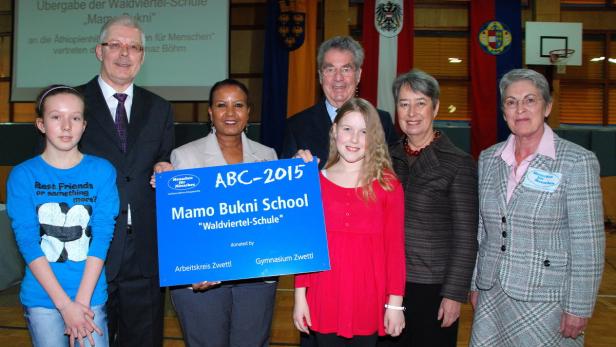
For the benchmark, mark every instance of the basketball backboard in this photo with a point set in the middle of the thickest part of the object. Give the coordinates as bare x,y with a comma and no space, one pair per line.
545,37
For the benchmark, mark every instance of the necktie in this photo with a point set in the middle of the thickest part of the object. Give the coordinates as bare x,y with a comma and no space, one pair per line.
121,120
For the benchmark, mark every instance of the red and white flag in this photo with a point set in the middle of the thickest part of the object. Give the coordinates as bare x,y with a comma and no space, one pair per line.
388,44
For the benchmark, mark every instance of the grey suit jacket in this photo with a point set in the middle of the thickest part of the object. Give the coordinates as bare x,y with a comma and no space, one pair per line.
541,245
206,152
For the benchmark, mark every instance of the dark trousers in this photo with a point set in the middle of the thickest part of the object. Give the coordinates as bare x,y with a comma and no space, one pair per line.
422,302
135,307
235,314
333,340
306,340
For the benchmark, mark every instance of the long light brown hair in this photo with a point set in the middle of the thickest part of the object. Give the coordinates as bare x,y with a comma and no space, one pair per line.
377,163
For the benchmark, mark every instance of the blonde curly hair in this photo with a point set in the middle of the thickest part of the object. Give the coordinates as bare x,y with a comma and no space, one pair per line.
377,162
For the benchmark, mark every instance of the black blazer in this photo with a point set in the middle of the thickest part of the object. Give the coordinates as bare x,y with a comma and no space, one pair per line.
150,140
309,129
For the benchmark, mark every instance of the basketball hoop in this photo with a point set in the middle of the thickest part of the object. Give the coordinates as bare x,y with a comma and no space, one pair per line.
559,58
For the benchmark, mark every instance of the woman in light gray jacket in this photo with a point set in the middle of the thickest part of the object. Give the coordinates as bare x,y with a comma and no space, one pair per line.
541,238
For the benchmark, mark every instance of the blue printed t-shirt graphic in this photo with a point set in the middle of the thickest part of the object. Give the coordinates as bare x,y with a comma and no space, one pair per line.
121,120
65,234
495,37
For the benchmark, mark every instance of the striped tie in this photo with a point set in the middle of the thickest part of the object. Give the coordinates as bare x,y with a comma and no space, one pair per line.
121,120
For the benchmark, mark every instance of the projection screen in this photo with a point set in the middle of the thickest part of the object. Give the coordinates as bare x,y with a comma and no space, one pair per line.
187,44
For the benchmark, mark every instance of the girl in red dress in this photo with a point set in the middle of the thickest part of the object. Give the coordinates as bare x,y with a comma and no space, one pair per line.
360,298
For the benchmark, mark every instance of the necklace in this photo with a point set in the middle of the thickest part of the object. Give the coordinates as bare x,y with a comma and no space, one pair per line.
415,153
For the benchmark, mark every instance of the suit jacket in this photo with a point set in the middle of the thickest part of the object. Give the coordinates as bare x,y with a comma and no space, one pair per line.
309,129
206,152
150,140
542,245
440,190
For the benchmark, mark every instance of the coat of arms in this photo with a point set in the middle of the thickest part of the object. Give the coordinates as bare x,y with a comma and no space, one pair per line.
495,37
388,17
292,23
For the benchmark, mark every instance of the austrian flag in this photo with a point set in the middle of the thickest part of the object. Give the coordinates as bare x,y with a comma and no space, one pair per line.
388,44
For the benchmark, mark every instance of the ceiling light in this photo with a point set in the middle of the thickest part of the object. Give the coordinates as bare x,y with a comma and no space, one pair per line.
454,60
597,59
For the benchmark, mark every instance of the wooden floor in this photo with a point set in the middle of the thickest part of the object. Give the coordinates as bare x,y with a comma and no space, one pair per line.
601,331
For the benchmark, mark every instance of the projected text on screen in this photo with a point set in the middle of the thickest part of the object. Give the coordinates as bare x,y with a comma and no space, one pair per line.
186,47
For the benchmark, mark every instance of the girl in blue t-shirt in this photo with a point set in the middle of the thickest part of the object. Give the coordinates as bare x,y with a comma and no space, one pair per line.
62,206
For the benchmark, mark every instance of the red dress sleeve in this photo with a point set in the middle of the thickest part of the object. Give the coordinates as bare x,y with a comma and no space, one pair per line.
302,280
394,241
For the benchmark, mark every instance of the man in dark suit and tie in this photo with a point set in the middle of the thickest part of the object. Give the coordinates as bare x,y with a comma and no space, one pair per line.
339,62
133,129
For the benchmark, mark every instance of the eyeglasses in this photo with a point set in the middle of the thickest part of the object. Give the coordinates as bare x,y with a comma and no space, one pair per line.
528,102
116,46
345,71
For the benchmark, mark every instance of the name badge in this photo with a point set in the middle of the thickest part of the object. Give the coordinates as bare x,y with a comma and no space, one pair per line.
541,180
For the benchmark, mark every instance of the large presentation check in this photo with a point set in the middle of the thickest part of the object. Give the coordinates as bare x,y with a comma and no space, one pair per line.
240,221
